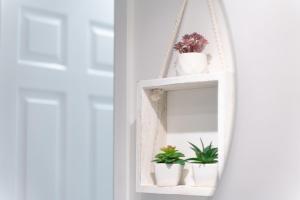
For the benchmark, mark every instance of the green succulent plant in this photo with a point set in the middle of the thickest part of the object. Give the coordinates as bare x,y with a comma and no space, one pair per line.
169,155
206,155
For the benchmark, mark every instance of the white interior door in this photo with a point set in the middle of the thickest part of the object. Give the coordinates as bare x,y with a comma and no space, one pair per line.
56,79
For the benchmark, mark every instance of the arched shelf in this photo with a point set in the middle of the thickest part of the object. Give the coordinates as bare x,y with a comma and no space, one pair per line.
186,109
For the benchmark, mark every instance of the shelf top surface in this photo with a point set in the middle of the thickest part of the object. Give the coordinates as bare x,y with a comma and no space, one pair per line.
184,82
178,190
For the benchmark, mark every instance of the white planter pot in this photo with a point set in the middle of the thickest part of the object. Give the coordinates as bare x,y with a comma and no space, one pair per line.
205,175
167,175
191,63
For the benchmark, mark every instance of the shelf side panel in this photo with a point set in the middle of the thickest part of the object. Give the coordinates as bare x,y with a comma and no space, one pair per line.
151,132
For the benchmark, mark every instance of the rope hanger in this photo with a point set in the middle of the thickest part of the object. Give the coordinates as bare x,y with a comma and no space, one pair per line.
166,64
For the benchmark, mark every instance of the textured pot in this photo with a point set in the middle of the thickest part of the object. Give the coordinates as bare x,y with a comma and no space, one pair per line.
205,175
191,63
167,174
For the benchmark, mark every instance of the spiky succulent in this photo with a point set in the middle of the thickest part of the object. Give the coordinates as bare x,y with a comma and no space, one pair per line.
169,155
206,155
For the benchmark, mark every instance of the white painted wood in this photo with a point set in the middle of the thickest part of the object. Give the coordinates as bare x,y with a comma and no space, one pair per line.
184,82
179,190
211,108
56,99
152,122
123,156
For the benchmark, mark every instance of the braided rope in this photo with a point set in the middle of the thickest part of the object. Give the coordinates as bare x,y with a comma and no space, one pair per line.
216,31
166,63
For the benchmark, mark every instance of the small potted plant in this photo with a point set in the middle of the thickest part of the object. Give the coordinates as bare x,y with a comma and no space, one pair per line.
191,58
204,165
168,166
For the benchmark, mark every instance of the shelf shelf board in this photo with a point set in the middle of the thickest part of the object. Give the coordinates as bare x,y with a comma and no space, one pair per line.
178,190
184,82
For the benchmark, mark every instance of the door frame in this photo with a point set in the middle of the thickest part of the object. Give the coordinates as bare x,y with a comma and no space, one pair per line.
123,189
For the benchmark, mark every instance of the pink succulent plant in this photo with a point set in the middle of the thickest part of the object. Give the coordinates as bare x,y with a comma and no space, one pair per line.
193,42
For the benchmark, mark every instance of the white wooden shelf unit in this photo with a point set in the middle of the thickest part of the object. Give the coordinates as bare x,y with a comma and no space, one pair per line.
177,110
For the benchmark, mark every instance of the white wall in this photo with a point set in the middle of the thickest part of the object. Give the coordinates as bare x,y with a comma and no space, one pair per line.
264,162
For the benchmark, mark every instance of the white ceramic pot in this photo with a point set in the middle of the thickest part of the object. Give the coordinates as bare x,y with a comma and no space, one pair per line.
205,175
191,63
167,175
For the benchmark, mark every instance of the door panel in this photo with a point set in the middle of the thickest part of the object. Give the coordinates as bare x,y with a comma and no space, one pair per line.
43,38
101,43
41,142
101,112
56,94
